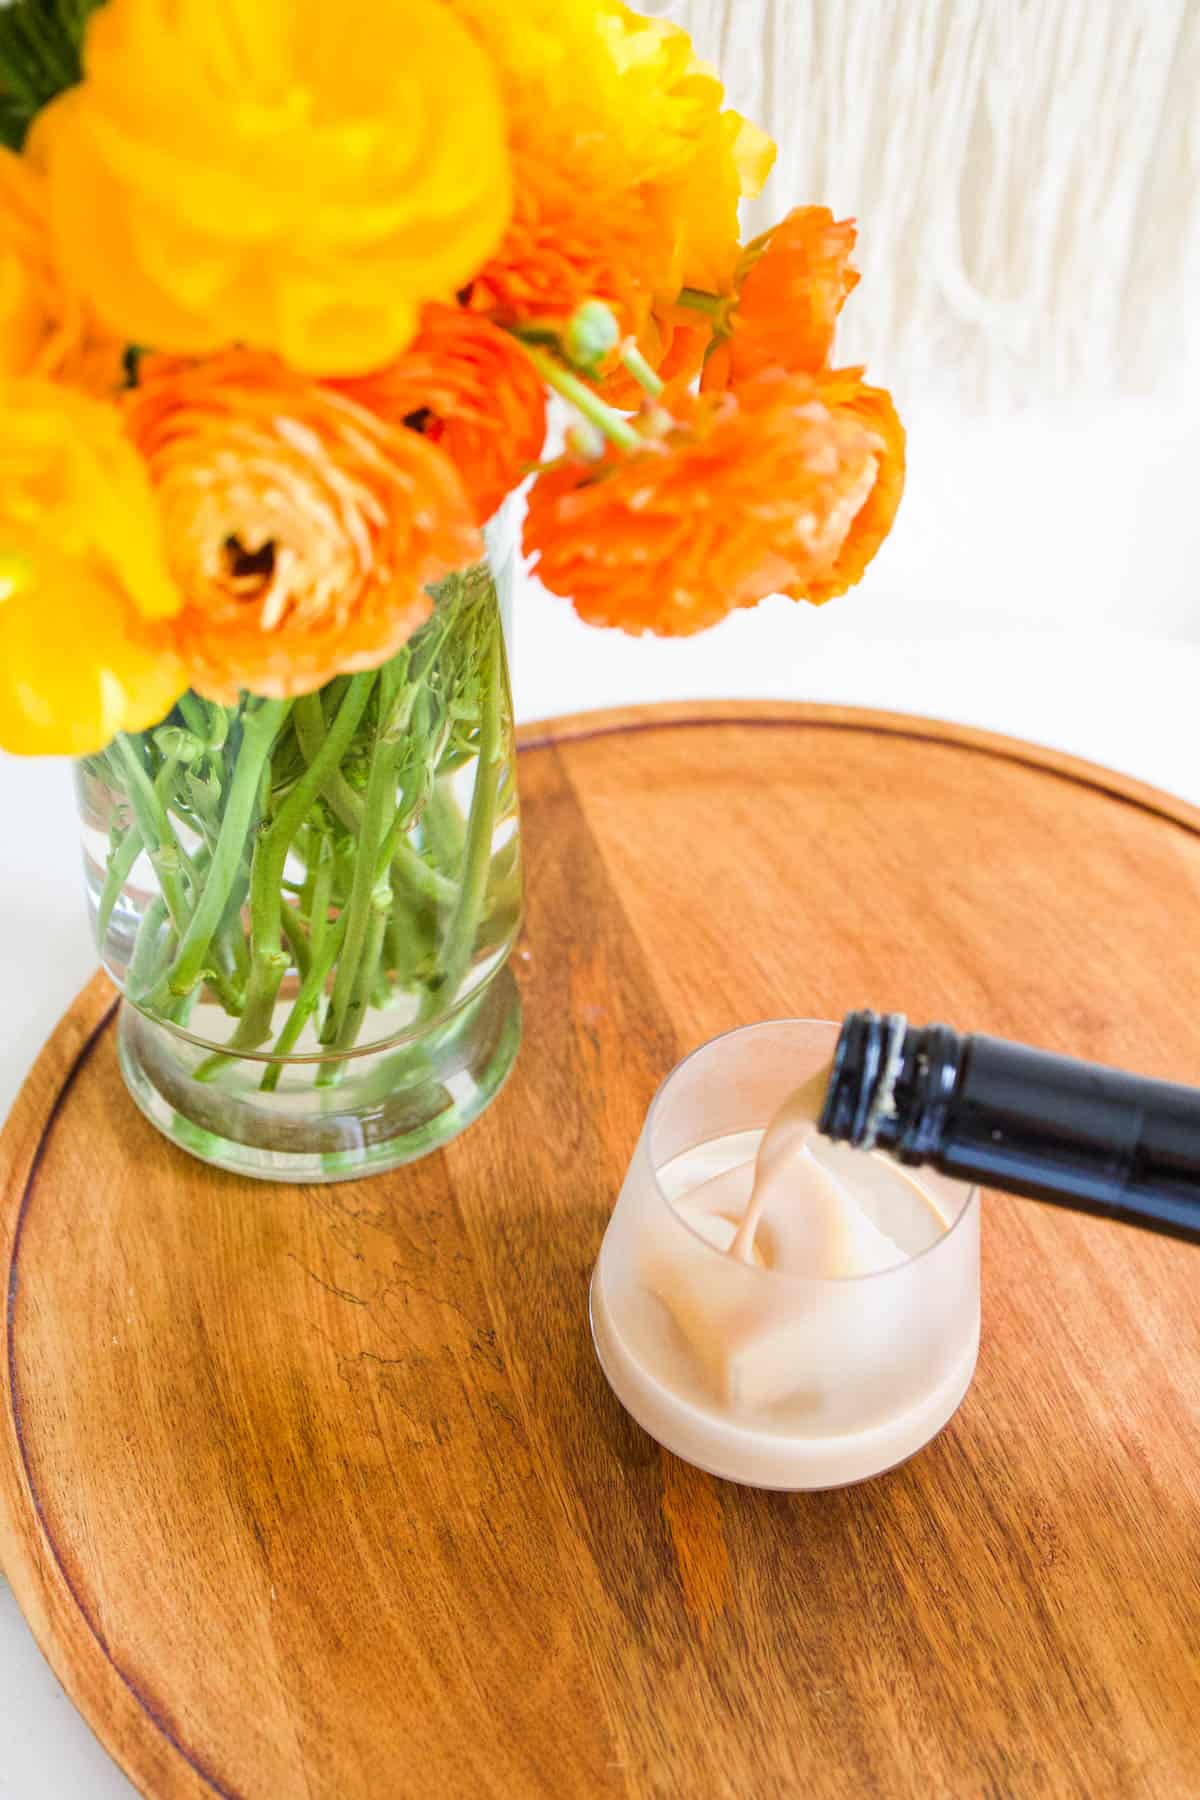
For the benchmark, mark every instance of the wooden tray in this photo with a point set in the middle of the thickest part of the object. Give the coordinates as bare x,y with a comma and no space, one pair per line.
320,1494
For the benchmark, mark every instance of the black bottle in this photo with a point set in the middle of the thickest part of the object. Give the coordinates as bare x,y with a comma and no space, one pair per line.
1094,1139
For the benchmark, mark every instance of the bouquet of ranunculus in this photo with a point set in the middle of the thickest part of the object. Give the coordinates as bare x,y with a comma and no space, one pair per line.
284,290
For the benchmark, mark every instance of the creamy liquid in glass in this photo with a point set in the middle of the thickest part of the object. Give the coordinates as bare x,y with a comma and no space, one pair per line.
810,1379
828,1233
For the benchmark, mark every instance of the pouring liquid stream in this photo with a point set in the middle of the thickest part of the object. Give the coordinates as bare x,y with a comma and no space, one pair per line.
786,1170
819,1227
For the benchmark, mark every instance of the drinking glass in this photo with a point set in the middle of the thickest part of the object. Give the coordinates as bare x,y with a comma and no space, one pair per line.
759,1375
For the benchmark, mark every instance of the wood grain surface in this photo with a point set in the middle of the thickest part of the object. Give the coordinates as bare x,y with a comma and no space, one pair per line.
318,1494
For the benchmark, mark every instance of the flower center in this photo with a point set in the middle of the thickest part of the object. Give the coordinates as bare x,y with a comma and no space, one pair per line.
248,572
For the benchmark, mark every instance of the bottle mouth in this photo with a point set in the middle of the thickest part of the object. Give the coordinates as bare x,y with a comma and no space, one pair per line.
862,1084
891,1085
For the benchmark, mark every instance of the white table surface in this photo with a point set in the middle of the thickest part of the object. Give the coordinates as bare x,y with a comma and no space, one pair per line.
954,622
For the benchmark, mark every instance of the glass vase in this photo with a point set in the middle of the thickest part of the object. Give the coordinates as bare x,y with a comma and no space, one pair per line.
309,905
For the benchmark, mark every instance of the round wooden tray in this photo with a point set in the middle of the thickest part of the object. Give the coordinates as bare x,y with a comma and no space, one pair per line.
319,1493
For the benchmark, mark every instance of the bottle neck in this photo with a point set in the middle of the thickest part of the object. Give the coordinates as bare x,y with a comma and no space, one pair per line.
1049,1127
892,1085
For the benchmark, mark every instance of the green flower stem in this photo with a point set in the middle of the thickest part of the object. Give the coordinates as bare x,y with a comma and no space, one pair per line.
346,804
125,759
269,963
259,731
477,855
641,371
365,890
410,943
416,875
120,862
195,716
307,848
267,970
221,976
711,305
344,1016
293,931
158,835
231,931
606,418
445,826
398,948
142,973
164,788
407,867
322,894
310,734
381,993
367,973
308,716
163,783
306,1001
330,696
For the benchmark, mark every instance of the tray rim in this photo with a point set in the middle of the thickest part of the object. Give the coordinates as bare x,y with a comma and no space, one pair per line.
137,1739
679,715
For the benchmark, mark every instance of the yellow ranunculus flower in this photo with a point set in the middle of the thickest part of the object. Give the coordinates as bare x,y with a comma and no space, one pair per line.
84,588
293,175
629,90
699,204
45,328
623,105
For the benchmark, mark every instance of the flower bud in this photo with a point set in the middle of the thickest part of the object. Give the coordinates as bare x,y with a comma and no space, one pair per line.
592,333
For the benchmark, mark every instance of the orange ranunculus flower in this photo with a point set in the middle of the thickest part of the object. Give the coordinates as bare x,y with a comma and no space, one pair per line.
793,284
84,588
683,336
750,494
301,530
471,388
571,238
847,396
673,340
291,175
46,329
693,217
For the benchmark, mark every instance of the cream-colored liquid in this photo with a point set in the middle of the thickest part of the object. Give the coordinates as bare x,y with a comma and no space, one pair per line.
786,1167
800,1382
820,1221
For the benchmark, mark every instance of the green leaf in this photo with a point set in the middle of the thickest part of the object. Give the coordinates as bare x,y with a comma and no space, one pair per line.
41,44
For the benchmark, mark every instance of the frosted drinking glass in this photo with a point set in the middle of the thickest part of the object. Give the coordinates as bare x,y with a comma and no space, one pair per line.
755,1373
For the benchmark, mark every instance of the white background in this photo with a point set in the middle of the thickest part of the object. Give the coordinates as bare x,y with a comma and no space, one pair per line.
1042,580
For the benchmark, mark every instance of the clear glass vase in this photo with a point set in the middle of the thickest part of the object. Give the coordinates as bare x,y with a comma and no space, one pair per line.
309,905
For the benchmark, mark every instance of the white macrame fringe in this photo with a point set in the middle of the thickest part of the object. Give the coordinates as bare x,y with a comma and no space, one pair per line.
1025,173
